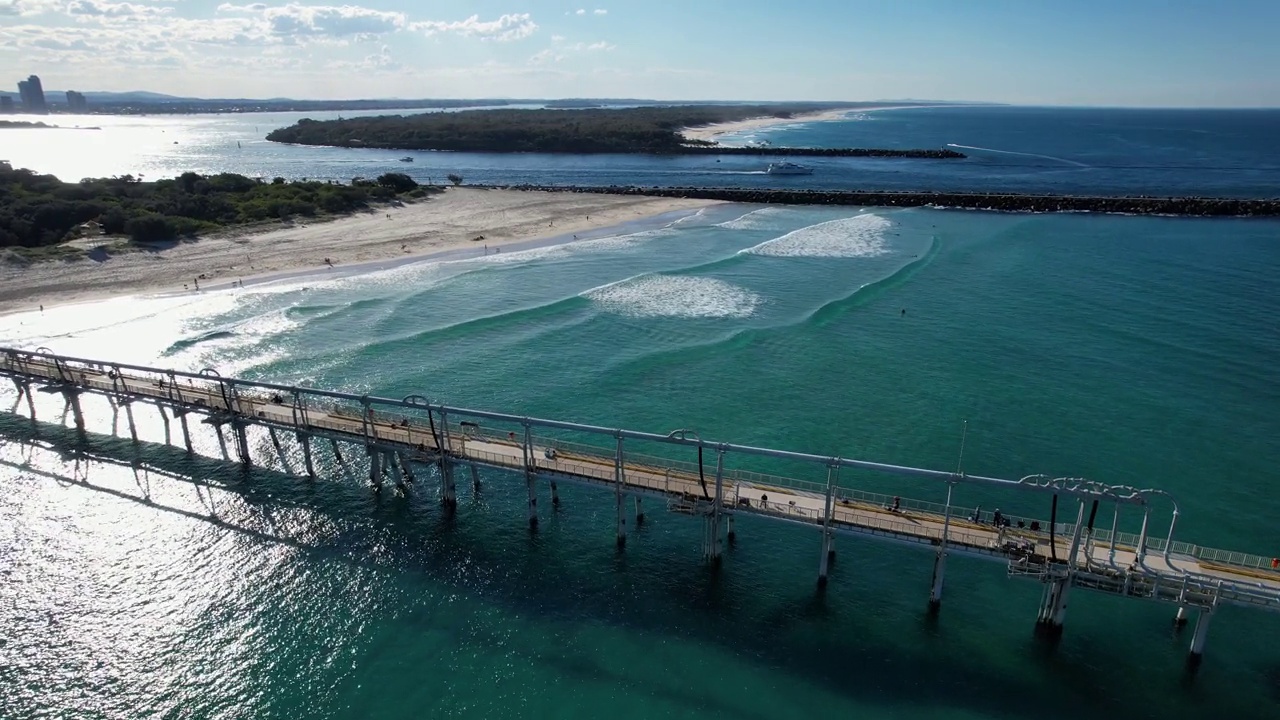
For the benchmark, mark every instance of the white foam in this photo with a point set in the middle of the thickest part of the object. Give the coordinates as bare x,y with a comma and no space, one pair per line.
753,220
675,296
610,243
858,236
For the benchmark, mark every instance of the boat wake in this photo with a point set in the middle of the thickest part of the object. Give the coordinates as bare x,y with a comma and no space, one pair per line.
1012,152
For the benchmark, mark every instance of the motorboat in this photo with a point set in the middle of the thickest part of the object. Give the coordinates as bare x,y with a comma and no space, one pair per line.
788,168
406,158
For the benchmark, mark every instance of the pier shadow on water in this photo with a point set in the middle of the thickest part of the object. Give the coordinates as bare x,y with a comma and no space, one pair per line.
768,614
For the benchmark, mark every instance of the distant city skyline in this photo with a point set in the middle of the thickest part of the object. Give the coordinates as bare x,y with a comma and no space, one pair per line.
1141,53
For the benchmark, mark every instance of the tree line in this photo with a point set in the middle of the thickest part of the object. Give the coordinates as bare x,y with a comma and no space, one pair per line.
41,210
627,130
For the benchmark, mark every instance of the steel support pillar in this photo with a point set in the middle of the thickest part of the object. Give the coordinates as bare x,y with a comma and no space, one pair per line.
555,494
824,562
619,498
527,449
406,467
940,560
449,490
939,576
186,432
375,468
710,542
1053,606
475,478
450,494
639,511
1141,552
25,389
713,546
392,461
305,441
730,534
1200,635
824,558
73,402
242,443
1180,620
128,411
222,442
164,417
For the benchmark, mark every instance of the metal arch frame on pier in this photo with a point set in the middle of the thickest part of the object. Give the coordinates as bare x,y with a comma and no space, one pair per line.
1073,487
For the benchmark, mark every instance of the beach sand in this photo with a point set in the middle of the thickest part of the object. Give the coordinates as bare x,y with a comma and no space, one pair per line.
435,225
713,133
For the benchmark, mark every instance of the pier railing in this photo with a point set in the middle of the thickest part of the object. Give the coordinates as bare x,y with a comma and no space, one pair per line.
401,422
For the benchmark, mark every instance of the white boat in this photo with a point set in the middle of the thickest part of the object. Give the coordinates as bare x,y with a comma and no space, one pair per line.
788,168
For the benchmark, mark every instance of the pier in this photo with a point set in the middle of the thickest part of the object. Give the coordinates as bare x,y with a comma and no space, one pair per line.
401,444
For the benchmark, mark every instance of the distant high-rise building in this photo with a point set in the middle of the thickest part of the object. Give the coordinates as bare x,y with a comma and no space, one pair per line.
32,93
75,101
6,104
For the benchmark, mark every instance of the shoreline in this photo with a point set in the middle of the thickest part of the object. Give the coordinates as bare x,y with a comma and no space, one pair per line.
713,132
437,228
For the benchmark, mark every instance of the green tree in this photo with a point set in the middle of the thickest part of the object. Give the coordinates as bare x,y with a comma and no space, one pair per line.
399,182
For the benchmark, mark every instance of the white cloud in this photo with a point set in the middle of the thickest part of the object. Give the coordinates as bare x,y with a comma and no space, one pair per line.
99,8
544,57
581,12
29,7
512,26
598,11
561,51
312,20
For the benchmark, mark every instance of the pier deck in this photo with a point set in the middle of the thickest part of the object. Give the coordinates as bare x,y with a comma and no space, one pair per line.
396,435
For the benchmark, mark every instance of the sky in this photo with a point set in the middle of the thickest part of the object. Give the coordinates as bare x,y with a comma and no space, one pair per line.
1163,53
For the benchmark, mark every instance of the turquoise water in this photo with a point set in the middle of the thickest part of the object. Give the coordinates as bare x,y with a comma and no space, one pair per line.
1127,350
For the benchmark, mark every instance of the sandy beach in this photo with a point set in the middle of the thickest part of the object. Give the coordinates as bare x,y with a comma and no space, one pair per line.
441,223
712,133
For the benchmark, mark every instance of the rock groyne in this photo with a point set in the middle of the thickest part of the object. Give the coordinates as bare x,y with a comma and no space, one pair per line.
1000,202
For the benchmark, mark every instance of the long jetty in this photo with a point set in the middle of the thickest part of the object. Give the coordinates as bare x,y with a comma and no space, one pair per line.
398,441
1000,202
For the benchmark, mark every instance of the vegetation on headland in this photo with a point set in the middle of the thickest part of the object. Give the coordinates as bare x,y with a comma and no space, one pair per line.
16,124
627,130
41,211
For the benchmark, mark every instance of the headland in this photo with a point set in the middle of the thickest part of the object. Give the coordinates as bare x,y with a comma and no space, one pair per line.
640,130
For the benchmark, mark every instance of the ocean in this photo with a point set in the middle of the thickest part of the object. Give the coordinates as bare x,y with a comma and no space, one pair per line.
1128,350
